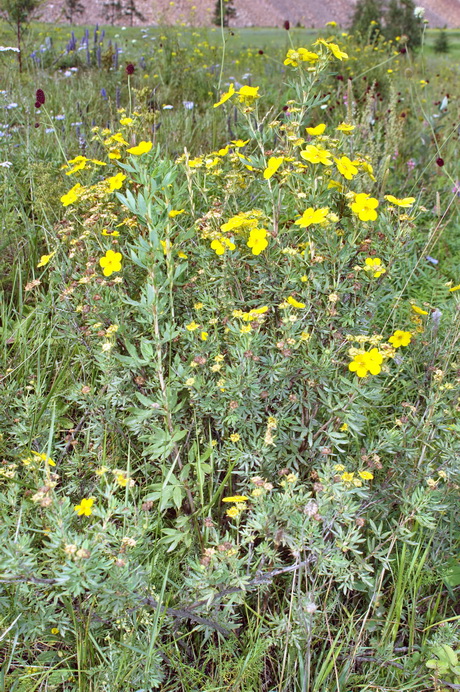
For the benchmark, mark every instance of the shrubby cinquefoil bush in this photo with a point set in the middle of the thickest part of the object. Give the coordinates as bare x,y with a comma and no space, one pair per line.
266,447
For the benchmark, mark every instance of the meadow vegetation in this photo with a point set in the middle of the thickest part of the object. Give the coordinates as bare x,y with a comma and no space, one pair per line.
230,438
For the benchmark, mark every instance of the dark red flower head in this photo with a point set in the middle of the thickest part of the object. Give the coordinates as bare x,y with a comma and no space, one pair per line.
39,98
440,162
130,68
287,25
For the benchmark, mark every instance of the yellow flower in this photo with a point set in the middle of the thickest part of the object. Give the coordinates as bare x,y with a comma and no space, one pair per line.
175,212
235,498
114,234
241,220
345,128
111,262
238,143
367,362
126,121
220,246
54,630
375,265
295,303
248,94
115,182
78,164
295,57
347,477
192,326
274,162
365,206
315,131
141,148
116,138
400,338
245,329
85,507
344,427
454,288
225,96
232,512
122,480
405,202
315,154
418,310
234,437
366,475
72,195
333,48
43,457
44,259
312,216
257,240
204,336
346,167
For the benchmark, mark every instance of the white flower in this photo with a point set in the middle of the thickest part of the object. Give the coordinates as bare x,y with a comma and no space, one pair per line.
5,48
419,12
5,164
167,107
188,105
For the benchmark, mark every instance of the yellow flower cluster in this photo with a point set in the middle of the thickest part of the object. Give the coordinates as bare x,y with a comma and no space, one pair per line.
79,163
367,362
251,315
350,479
